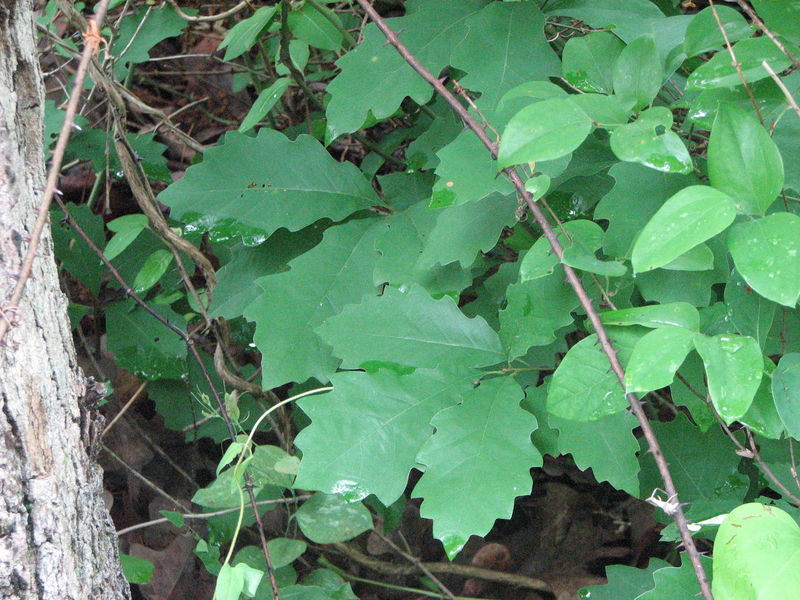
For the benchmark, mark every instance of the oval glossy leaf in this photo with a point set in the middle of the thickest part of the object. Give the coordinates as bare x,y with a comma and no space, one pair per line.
124,237
543,131
767,255
734,367
537,186
743,161
750,313
311,26
588,61
656,357
583,387
153,268
786,392
690,217
604,111
675,314
329,518
245,33
756,555
699,258
720,72
638,73
762,417
703,33
649,141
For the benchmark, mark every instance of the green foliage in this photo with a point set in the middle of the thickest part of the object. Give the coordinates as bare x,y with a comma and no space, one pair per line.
755,554
135,569
482,449
437,310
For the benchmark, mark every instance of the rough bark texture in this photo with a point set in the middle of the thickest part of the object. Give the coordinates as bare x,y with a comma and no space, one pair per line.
56,538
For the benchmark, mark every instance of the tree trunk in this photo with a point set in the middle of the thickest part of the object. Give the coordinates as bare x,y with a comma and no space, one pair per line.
56,538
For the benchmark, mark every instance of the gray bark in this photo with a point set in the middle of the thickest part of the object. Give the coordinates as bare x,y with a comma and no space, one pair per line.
56,538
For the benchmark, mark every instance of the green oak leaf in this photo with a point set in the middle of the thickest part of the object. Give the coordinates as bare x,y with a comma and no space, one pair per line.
319,284
141,344
750,53
786,392
140,31
374,453
480,458
400,242
588,61
624,20
74,253
431,30
466,172
255,181
534,311
504,47
656,357
585,239
607,446
671,583
690,217
756,553
461,231
638,73
743,161
583,387
236,287
702,465
734,367
97,146
580,240
408,327
624,582
766,252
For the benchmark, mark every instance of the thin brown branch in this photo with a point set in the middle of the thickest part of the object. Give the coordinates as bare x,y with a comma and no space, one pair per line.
779,82
575,283
417,563
444,568
208,515
734,61
92,41
762,26
209,18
